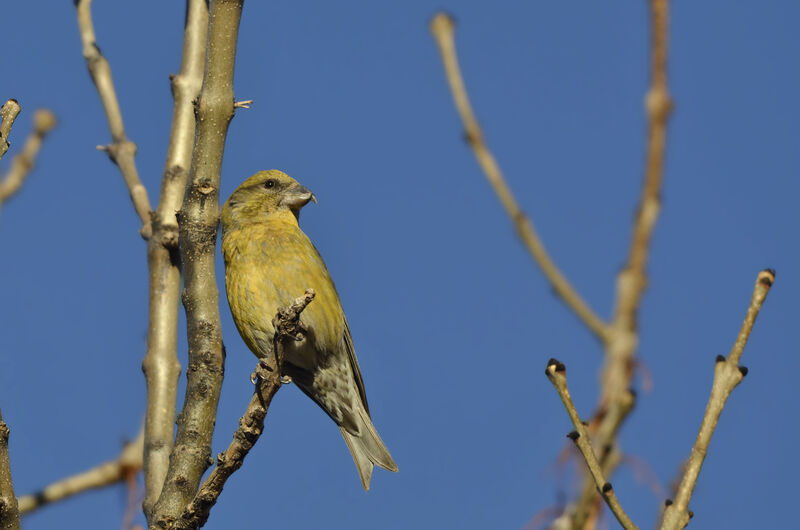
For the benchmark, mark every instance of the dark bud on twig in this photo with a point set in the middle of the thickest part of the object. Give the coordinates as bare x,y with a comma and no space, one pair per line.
607,487
554,365
767,276
668,502
573,436
720,359
743,370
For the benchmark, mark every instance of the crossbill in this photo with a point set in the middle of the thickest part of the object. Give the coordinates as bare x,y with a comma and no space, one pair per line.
269,261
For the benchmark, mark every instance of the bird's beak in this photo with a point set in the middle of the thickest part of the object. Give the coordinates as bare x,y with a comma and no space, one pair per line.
297,197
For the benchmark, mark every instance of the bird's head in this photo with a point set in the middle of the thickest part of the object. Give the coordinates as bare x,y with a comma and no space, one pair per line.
267,193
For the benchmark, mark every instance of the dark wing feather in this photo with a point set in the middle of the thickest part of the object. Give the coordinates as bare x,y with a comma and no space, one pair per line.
351,354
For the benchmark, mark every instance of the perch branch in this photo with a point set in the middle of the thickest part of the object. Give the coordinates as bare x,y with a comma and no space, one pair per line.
22,163
121,151
442,27
128,463
267,378
160,364
727,375
198,233
9,510
557,374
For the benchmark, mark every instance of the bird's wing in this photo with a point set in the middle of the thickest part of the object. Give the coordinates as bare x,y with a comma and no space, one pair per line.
351,354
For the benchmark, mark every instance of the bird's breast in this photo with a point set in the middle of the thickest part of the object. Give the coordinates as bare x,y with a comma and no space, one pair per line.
266,268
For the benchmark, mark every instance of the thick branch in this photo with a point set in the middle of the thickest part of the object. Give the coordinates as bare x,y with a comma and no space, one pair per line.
557,374
8,114
128,463
9,511
267,378
121,151
198,232
160,365
43,122
727,375
443,29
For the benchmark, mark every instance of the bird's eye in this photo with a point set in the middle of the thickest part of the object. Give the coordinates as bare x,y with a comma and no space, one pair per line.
269,184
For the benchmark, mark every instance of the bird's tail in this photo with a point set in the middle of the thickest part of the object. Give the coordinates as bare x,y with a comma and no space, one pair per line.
367,448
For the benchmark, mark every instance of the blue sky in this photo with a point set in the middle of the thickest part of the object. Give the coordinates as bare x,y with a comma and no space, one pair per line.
453,324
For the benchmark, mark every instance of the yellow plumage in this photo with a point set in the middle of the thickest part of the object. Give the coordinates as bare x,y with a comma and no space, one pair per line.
269,262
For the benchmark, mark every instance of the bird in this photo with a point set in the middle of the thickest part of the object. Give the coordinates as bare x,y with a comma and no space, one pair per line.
269,262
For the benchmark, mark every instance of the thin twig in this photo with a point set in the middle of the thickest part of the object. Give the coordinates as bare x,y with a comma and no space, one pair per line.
267,378
121,151
623,335
727,375
9,510
442,27
198,233
160,364
8,113
128,463
21,165
587,504
557,374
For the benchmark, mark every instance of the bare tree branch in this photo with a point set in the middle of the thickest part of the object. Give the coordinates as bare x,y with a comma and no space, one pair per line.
121,151
623,335
727,375
43,122
632,280
9,510
267,378
128,463
160,365
557,374
198,231
442,27
8,114
586,506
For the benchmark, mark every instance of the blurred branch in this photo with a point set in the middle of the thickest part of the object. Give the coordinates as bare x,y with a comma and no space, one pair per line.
8,114
43,122
632,280
198,232
267,378
623,335
727,375
442,27
121,151
557,374
128,463
9,511
160,364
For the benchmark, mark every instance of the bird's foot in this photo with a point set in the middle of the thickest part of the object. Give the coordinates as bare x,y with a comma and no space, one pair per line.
286,379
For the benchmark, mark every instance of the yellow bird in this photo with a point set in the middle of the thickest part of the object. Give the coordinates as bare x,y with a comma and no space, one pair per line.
269,262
